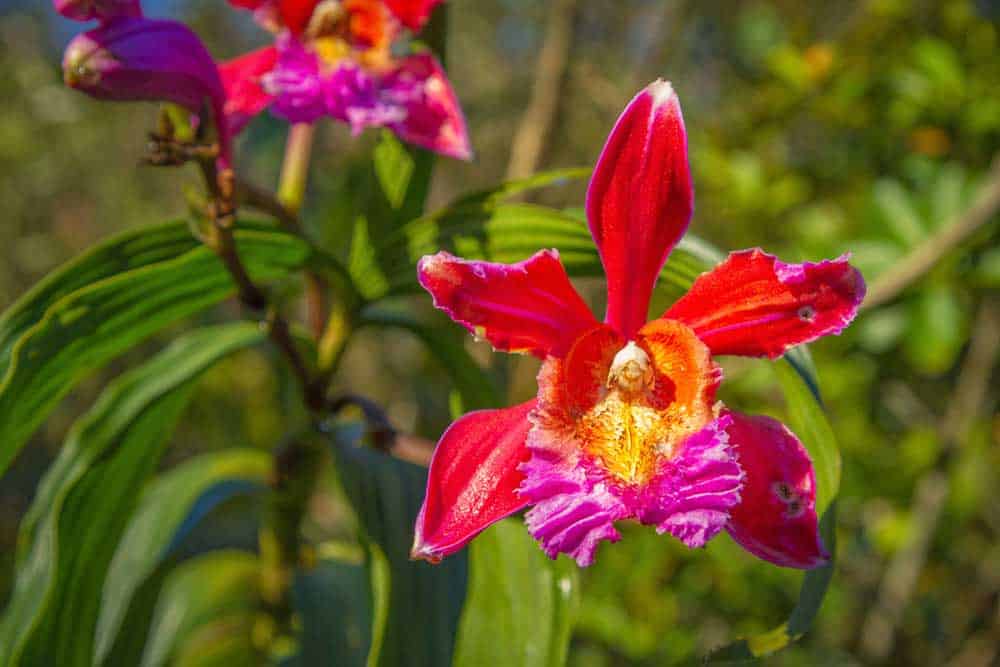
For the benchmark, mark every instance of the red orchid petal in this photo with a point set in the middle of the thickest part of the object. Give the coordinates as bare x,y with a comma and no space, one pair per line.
249,4
412,13
776,518
755,305
241,78
295,14
640,201
433,118
530,306
473,480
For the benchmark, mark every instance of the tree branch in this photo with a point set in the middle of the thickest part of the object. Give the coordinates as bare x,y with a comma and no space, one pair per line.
928,253
899,581
539,117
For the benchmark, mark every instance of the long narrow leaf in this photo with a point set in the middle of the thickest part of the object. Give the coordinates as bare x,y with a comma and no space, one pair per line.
69,536
167,511
520,604
416,605
86,328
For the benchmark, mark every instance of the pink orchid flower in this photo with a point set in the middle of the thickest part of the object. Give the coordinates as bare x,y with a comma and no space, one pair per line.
131,58
626,423
334,58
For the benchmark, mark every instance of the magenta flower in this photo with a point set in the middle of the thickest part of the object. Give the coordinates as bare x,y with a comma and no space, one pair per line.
130,58
626,423
102,10
335,59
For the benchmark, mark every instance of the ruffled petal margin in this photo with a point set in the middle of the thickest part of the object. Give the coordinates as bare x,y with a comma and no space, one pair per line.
530,306
776,519
757,306
640,201
696,489
473,480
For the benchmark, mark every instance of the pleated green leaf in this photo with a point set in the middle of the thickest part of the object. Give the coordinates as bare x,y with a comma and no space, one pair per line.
62,336
69,536
169,508
334,601
416,606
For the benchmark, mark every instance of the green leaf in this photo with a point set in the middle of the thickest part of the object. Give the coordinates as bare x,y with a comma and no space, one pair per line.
69,536
383,258
475,387
416,605
513,232
520,606
334,602
403,173
808,420
124,252
937,329
88,327
169,508
814,586
797,377
205,613
899,213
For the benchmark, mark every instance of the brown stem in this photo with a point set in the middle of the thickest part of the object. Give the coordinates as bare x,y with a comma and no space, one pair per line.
257,197
928,253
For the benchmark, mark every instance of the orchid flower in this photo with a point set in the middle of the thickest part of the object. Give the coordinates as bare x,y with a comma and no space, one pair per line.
626,423
132,58
335,58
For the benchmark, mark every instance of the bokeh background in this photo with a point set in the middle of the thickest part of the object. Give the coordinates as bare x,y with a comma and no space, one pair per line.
816,128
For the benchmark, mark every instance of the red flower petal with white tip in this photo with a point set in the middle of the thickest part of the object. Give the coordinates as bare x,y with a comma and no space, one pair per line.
529,307
640,201
755,305
473,480
776,518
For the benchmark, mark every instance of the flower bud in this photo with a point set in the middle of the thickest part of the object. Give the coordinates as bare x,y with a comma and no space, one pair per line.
101,10
136,59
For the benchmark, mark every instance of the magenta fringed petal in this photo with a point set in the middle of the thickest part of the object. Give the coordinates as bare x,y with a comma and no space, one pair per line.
574,509
296,83
576,502
693,493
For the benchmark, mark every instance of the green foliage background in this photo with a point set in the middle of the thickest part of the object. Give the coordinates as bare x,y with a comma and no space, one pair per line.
816,129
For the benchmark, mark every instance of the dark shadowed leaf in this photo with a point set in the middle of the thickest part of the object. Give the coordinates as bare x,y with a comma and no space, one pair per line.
416,605
334,602
168,509
476,388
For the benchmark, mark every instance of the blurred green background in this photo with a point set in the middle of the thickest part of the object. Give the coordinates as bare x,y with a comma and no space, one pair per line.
816,129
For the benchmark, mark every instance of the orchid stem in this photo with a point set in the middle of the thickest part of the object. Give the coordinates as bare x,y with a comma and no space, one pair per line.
295,168
291,193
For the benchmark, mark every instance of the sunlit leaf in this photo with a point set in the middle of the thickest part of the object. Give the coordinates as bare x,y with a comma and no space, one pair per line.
520,606
86,328
69,535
